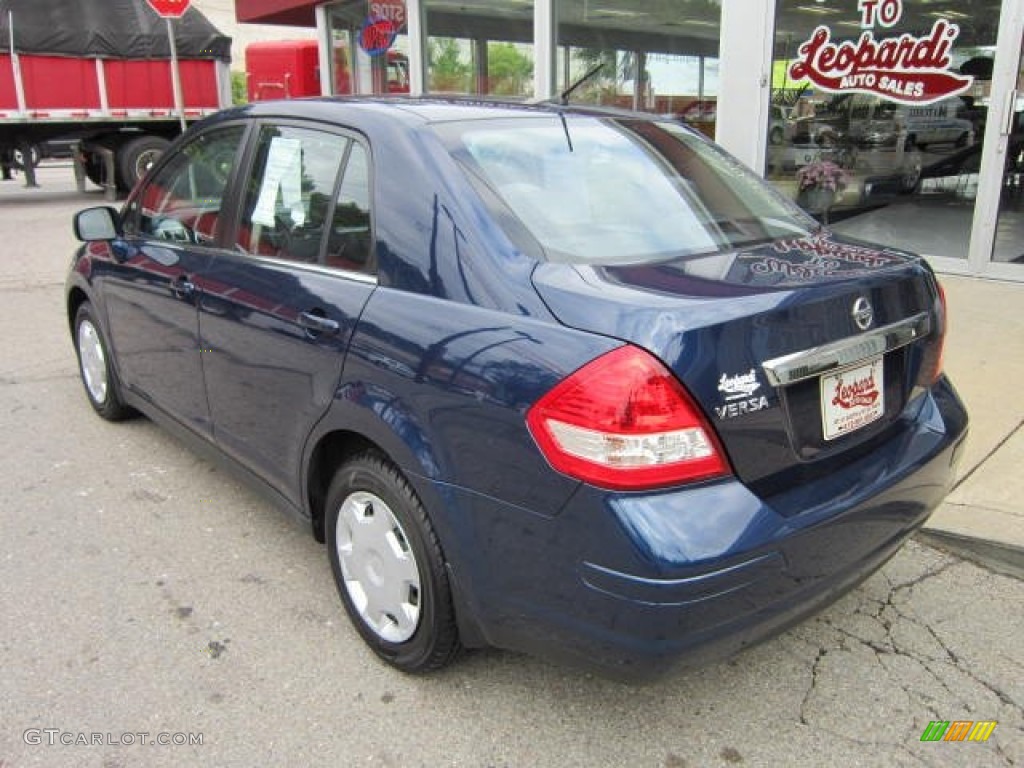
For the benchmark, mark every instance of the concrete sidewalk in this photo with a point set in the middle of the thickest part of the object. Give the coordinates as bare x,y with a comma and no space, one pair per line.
983,517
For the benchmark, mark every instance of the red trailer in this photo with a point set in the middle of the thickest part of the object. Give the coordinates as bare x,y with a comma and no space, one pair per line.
98,72
290,69
282,69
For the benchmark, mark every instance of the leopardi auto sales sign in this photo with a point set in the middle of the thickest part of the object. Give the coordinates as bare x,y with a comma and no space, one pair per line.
906,68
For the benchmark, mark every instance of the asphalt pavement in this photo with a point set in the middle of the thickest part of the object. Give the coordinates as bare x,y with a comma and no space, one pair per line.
149,597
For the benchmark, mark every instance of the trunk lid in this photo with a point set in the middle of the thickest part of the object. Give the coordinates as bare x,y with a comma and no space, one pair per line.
804,354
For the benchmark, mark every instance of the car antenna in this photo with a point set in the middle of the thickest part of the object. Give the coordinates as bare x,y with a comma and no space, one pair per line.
565,127
563,98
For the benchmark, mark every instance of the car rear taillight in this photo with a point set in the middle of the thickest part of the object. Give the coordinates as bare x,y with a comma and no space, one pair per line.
932,365
623,421
940,341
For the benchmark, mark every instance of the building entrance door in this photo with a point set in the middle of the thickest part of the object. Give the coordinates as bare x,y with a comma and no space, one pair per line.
1000,250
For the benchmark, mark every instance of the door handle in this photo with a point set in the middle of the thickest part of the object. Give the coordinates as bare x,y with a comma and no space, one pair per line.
316,323
183,287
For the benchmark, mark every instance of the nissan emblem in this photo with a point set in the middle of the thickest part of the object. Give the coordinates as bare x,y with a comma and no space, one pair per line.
863,314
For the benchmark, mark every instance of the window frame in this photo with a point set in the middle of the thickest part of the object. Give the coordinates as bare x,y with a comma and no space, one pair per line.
247,167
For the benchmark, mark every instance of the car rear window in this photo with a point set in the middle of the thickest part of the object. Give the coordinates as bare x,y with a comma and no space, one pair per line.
602,190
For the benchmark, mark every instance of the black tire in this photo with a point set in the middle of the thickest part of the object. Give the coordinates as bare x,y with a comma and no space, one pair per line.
136,157
18,156
98,376
776,136
358,489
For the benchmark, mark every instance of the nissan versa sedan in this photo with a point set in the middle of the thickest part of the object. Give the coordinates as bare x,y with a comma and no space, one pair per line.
559,380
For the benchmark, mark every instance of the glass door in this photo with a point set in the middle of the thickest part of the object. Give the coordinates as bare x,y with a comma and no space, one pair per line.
1004,255
923,152
369,47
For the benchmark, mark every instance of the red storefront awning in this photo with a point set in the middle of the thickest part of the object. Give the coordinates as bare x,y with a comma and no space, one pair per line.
298,13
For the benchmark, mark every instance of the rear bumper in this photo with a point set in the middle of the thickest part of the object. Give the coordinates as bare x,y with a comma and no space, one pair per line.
630,583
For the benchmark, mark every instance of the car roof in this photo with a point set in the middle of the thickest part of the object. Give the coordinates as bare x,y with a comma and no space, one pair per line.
425,109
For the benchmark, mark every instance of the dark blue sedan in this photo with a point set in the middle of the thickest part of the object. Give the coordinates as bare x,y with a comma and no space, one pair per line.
565,381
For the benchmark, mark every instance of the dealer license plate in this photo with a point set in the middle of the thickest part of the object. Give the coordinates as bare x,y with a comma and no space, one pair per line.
852,398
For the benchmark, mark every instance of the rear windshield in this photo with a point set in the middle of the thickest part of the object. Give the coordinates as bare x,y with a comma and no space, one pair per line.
599,190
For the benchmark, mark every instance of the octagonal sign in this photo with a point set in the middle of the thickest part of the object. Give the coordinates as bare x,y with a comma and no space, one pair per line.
169,9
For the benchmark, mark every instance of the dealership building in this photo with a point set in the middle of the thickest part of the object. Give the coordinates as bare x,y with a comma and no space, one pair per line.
897,121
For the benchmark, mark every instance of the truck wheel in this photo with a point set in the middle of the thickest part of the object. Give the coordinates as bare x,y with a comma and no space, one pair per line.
19,156
388,566
136,157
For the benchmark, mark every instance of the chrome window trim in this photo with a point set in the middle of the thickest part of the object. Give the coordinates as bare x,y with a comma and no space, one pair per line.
305,266
811,363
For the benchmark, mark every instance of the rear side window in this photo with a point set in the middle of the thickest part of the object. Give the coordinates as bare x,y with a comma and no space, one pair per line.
349,241
182,202
290,193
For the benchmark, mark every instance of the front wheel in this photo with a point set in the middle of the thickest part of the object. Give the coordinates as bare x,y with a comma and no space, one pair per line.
98,377
388,566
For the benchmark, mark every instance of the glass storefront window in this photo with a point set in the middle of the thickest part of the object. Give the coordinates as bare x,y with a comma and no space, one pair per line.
480,47
369,48
654,56
878,113
451,65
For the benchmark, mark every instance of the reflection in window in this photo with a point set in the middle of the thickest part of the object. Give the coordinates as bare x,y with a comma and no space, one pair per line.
867,162
182,202
348,245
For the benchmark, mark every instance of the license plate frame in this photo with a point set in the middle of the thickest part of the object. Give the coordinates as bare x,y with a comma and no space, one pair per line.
852,398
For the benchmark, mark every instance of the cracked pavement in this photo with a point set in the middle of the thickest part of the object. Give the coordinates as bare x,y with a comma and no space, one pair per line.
146,591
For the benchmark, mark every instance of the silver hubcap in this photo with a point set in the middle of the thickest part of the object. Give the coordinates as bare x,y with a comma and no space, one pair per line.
146,161
94,363
378,567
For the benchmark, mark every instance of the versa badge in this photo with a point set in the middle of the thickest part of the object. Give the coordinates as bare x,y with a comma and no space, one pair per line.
738,391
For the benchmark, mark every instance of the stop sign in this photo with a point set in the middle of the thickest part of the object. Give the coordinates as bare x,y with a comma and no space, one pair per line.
390,10
169,9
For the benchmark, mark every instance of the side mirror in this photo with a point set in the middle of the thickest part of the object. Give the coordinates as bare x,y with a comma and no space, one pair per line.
100,223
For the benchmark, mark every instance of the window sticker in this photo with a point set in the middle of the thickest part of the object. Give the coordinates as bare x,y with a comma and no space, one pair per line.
283,173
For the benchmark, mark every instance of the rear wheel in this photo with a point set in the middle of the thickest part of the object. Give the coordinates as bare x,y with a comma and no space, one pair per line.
388,566
98,377
136,157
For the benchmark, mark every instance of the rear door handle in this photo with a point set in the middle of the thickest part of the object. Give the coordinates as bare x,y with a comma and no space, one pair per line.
316,323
